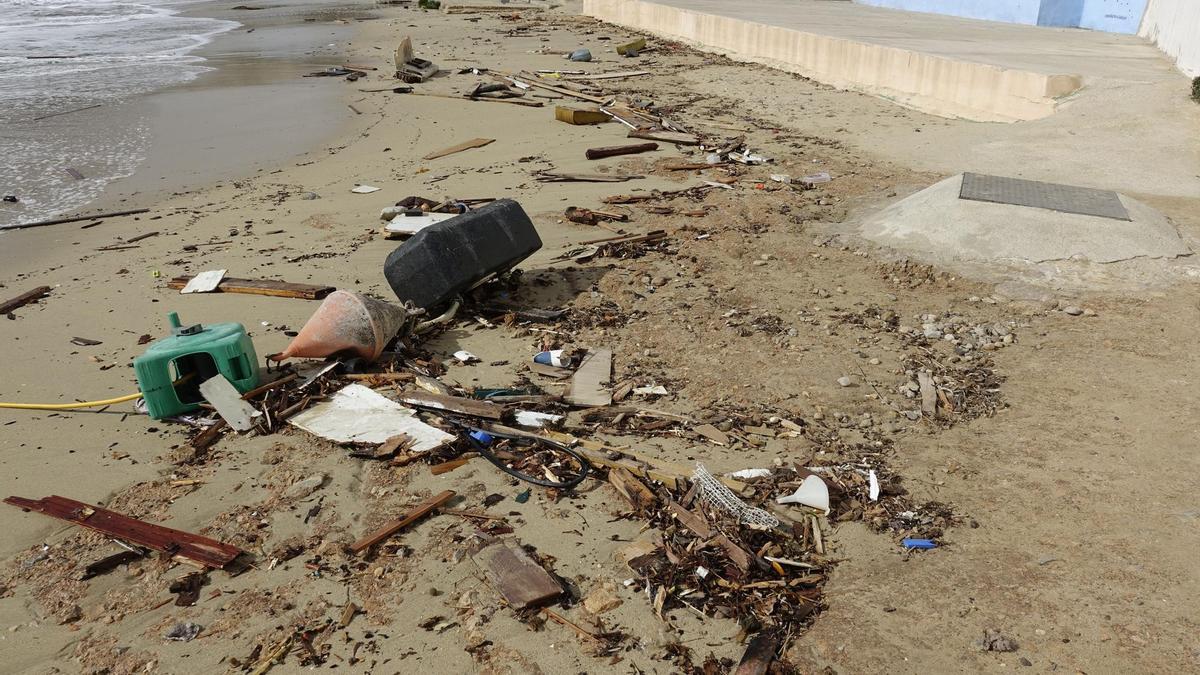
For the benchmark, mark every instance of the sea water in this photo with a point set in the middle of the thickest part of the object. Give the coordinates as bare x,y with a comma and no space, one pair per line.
58,56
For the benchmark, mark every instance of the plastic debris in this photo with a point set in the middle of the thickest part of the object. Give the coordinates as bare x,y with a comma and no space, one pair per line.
919,544
873,480
365,189
557,358
746,474
184,632
465,356
580,55
713,492
812,492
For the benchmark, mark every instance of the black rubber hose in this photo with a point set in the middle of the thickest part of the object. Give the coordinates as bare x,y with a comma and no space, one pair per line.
585,467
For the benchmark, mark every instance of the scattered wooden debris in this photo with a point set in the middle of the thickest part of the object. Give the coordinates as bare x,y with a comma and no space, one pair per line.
180,545
558,177
465,145
24,299
454,404
608,76
616,150
76,219
676,137
759,655
593,216
280,289
110,563
516,577
418,512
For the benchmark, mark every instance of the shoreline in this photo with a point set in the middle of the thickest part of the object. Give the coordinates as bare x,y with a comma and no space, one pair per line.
240,117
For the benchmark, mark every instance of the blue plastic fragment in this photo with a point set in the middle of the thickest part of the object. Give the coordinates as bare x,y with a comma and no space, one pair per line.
919,544
483,437
523,497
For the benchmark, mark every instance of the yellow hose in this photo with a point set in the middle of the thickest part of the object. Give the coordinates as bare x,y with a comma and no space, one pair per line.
70,406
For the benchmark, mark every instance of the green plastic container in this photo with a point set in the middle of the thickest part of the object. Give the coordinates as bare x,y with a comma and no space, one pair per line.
201,352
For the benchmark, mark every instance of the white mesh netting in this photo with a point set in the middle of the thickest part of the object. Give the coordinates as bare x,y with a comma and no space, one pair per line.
712,491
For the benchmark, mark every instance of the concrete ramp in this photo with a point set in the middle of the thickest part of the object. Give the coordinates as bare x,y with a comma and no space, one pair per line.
937,224
946,66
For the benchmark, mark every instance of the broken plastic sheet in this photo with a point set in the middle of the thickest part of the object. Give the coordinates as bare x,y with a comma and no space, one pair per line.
357,414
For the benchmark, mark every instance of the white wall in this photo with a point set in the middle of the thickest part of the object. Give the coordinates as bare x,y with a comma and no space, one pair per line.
1174,25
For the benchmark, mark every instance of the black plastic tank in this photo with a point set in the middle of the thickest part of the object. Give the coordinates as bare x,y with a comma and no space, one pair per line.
443,260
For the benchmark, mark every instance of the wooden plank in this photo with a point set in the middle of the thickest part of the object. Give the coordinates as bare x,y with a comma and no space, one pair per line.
181,545
691,521
532,82
419,511
455,404
447,467
279,289
76,219
702,529
666,136
573,114
928,393
616,150
465,145
24,299
608,76
633,490
712,433
558,177
759,655
516,577
589,384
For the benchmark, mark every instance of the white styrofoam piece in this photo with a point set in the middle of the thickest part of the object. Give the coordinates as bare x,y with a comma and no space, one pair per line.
403,224
357,414
532,418
205,282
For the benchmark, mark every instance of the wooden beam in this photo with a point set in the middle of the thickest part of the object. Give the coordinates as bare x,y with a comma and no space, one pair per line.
666,136
24,299
75,219
516,577
616,150
419,511
454,404
759,655
558,90
271,287
465,145
189,547
608,76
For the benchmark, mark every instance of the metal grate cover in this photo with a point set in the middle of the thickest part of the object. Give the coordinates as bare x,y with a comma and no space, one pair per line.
1063,198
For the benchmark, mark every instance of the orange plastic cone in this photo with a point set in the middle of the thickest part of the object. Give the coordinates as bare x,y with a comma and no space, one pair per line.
347,323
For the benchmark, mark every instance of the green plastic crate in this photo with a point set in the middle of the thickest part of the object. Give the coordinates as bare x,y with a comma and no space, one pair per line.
190,356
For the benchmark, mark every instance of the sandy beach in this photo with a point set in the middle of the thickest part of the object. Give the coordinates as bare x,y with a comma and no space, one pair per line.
1058,489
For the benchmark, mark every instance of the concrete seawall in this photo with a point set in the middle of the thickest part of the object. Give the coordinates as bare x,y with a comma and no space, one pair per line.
1174,25
932,83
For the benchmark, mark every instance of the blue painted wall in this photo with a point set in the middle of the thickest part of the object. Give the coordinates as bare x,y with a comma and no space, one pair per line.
1011,11
1066,13
1115,16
